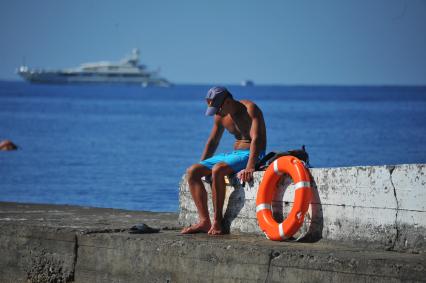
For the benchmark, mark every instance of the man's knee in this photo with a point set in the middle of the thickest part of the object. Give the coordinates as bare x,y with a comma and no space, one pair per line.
221,169
195,171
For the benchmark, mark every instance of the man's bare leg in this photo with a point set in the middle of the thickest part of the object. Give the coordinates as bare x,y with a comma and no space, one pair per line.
199,195
219,172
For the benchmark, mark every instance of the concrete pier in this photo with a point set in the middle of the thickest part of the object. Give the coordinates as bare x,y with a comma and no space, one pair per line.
49,243
364,224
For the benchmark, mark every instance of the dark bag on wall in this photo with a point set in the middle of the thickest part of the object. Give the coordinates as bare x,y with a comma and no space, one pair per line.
302,154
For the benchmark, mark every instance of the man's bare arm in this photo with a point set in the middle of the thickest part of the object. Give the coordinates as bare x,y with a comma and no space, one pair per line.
255,143
214,139
256,116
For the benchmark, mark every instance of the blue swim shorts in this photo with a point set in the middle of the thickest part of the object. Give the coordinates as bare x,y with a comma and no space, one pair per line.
236,159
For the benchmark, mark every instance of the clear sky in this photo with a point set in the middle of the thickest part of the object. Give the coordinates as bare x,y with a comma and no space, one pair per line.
372,42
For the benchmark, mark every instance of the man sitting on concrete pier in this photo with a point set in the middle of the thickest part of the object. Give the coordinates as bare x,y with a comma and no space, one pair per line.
244,120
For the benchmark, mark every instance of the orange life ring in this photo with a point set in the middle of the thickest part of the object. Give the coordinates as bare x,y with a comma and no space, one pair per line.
302,198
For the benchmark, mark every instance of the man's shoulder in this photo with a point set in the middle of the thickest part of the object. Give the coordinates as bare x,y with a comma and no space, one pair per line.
248,103
251,106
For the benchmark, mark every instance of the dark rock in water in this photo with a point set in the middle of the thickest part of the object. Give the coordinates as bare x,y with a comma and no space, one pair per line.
8,145
142,229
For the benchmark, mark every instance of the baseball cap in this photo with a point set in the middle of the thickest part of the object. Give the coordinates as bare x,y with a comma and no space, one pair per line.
217,95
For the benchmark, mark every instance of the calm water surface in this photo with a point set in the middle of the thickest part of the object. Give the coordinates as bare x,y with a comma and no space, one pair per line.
127,147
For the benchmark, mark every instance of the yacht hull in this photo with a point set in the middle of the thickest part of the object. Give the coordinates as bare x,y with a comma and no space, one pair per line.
62,78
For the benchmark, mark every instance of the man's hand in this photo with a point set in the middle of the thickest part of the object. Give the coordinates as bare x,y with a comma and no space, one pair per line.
245,175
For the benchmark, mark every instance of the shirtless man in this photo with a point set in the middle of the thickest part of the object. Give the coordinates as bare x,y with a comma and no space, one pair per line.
244,120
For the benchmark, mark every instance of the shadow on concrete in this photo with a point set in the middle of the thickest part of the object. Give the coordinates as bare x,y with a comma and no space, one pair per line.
314,233
311,230
236,202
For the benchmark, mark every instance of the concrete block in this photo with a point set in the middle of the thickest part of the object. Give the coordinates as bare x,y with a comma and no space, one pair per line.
39,254
340,266
113,258
410,231
410,185
356,186
378,205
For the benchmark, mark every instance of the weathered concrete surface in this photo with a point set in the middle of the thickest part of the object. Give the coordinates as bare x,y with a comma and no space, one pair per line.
39,243
372,206
46,243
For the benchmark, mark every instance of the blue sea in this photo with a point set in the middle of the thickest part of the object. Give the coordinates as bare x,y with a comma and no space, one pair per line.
128,146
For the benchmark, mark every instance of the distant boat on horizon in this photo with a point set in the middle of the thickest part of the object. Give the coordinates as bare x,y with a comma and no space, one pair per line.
247,83
126,71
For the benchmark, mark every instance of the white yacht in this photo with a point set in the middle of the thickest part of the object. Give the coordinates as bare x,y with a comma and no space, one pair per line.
127,71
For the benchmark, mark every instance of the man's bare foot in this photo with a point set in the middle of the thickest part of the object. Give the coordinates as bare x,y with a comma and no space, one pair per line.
201,227
216,229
